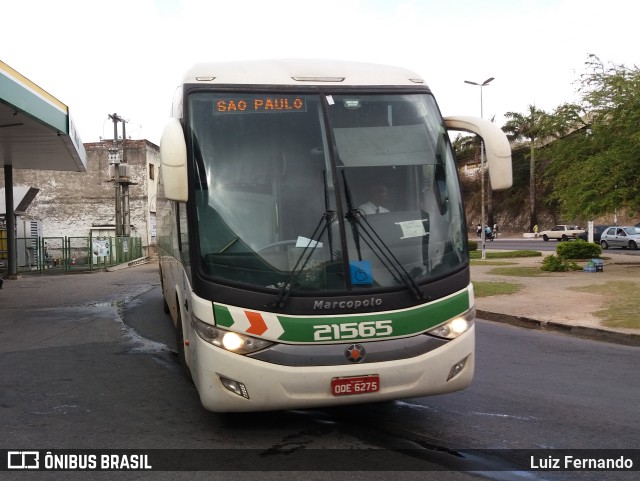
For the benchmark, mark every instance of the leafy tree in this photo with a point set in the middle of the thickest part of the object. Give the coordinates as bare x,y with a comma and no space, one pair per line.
594,168
533,127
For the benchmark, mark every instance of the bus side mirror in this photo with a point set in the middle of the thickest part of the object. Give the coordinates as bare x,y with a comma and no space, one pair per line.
496,146
173,161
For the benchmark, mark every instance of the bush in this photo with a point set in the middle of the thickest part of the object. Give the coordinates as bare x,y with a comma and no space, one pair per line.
554,263
578,249
473,246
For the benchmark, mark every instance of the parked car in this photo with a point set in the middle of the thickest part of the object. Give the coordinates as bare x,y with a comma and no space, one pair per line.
597,232
562,232
621,236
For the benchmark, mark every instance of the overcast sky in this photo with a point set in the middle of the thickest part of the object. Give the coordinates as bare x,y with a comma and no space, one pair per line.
127,56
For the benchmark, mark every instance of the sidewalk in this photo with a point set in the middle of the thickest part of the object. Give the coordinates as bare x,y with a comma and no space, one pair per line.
550,301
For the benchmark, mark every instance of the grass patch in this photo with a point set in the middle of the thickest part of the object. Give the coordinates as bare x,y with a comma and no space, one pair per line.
518,271
504,254
480,262
486,288
621,306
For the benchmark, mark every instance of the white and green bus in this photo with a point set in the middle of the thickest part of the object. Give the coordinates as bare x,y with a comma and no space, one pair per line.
313,243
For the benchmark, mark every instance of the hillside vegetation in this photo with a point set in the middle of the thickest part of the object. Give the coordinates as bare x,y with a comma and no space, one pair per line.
583,159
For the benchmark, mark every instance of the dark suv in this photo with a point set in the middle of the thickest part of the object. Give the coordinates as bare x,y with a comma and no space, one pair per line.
597,232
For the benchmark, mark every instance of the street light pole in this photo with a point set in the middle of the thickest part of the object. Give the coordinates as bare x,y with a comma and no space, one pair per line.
483,235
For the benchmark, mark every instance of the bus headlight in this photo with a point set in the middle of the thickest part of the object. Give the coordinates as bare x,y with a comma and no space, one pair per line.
456,326
228,340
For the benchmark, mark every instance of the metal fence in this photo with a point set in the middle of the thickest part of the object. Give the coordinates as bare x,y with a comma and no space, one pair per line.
66,254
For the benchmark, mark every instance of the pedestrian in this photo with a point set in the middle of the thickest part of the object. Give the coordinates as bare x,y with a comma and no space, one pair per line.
535,230
495,230
479,231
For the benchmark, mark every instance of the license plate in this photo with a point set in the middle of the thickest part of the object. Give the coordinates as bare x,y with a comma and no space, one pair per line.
342,386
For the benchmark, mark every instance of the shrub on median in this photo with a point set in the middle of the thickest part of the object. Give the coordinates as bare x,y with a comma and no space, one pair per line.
578,249
554,263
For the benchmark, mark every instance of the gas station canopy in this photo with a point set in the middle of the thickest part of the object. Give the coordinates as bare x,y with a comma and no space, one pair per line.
36,131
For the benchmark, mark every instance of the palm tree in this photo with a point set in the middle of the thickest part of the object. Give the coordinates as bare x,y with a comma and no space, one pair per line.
533,127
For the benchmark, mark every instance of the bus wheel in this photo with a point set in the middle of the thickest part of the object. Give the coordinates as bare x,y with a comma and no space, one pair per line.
165,306
180,347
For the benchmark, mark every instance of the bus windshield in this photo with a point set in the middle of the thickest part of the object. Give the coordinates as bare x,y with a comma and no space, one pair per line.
317,192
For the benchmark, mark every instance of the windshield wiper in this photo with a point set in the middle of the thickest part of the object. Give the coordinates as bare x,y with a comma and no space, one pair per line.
314,240
373,240
375,243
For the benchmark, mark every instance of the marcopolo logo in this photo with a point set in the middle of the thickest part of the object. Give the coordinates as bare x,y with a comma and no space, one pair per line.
324,304
355,353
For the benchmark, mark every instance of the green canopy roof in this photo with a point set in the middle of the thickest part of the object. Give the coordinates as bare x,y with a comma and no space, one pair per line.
36,131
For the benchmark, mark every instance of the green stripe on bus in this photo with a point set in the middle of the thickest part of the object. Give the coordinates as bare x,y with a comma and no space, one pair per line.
380,325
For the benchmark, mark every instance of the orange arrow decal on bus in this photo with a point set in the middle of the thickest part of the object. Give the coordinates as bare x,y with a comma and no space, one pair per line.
258,326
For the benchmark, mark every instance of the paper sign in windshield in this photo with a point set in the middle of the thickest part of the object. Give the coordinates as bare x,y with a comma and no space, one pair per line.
306,242
412,228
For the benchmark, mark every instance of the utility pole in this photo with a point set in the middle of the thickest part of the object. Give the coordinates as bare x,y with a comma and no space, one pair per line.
120,172
124,183
114,163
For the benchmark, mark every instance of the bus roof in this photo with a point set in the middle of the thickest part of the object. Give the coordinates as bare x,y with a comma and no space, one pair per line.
301,72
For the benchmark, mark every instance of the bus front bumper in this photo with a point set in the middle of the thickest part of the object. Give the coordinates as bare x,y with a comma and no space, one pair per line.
230,382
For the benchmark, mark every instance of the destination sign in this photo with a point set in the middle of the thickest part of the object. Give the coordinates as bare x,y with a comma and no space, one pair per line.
258,104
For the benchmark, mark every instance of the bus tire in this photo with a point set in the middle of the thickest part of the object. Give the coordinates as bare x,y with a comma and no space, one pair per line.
165,306
180,347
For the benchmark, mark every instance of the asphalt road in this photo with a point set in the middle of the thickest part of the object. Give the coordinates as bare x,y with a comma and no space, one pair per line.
540,245
105,375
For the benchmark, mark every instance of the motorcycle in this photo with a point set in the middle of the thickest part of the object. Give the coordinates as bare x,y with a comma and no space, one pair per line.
488,235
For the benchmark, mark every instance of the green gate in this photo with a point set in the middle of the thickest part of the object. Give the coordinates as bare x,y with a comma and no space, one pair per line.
50,255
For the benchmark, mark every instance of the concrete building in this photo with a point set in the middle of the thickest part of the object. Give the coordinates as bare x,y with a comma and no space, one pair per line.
79,204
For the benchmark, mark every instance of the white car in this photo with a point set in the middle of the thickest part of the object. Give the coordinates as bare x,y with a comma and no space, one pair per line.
620,236
562,232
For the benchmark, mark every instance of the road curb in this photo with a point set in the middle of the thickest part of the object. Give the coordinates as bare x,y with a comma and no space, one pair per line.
627,339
